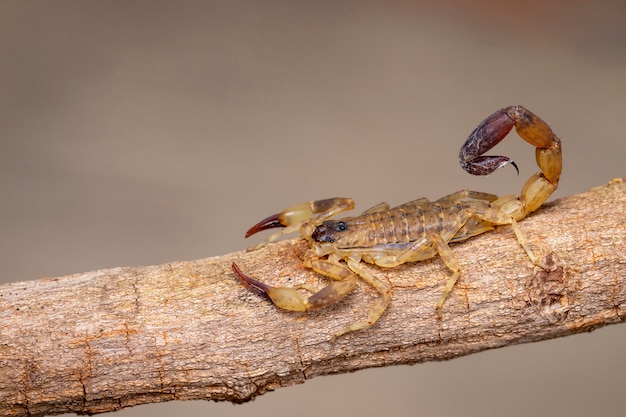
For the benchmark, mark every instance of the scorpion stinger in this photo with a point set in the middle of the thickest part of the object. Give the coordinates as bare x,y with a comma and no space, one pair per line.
416,230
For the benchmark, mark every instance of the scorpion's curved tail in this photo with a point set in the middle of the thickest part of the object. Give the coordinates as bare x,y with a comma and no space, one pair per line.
534,131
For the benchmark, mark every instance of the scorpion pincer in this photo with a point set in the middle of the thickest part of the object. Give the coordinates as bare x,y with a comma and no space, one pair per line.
413,231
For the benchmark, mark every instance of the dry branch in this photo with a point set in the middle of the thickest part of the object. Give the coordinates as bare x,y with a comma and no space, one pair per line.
104,340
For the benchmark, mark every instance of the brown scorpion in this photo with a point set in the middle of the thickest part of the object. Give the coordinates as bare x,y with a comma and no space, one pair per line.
413,231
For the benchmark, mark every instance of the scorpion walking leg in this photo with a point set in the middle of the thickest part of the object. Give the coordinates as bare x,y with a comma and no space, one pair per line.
294,217
440,243
452,263
546,261
496,215
427,248
344,281
381,303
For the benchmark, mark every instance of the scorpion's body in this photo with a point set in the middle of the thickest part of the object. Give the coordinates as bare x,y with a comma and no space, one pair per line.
413,231
396,229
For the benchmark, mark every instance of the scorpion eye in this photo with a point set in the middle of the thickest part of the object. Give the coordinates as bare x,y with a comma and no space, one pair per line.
341,226
329,239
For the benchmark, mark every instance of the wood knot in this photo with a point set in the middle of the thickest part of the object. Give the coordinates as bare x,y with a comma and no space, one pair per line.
546,291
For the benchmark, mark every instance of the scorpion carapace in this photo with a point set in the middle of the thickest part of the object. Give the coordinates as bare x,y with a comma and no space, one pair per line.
413,231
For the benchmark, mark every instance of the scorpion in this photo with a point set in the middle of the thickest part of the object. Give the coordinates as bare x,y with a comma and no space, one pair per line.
414,231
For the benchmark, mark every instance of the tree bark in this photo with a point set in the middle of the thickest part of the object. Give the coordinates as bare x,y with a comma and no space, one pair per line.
104,340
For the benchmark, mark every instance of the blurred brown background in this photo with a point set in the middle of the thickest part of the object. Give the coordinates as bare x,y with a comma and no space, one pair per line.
143,132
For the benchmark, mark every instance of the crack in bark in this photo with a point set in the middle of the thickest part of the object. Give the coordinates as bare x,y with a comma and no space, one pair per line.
302,366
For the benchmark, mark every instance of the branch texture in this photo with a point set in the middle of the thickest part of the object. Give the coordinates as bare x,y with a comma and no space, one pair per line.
103,340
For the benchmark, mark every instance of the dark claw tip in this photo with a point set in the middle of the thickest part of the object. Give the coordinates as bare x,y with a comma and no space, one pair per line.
254,285
267,223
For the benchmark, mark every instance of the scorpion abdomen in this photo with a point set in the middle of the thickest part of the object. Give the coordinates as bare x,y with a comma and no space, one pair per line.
400,225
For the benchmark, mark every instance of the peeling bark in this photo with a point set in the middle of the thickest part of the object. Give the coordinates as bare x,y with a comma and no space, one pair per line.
104,340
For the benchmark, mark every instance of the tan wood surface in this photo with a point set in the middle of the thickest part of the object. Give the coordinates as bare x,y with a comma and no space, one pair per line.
103,340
